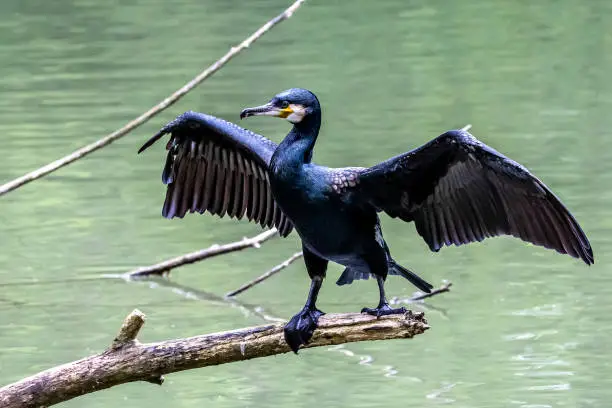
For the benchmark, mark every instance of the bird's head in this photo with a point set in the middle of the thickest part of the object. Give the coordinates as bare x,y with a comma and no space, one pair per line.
295,105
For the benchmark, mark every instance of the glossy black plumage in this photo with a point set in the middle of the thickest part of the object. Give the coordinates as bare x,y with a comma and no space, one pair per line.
455,189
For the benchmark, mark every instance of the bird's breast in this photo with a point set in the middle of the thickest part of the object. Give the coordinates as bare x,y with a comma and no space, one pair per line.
294,194
322,220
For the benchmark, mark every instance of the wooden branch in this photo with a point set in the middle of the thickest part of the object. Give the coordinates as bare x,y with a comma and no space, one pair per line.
266,275
161,106
214,250
419,297
128,360
442,289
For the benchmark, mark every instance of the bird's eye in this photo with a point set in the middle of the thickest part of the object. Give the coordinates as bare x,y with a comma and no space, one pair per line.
284,104
193,125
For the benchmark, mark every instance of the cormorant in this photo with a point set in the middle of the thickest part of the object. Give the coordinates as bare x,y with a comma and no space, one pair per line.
455,189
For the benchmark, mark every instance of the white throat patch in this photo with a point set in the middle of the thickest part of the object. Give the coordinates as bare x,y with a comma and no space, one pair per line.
299,111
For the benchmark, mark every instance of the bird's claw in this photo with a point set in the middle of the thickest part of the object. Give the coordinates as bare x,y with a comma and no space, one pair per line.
383,310
301,327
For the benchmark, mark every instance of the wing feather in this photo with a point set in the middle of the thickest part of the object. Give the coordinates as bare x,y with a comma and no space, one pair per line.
220,174
254,183
269,203
227,185
216,166
243,203
188,188
458,190
262,196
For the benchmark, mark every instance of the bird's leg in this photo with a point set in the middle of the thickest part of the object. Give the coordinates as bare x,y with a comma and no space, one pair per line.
301,326
383,307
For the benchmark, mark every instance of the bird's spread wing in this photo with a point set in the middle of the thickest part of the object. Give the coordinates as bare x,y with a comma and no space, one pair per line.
458,190
217,166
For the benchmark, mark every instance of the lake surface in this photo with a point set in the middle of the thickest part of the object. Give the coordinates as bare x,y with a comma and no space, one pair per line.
522,327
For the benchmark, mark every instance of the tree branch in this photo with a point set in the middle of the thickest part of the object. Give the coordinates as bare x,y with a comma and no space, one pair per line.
161,106
148,362
419,297
442,289
266,275
214,250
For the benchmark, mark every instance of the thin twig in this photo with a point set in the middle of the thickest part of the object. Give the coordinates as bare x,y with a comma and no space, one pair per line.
442,289
266,275
161,106
149,362
214,250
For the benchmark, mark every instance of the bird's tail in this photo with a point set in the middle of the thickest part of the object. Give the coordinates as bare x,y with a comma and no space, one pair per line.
395,269
351,274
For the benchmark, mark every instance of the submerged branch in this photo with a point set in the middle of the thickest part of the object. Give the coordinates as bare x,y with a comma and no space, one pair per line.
161,106
127,360
214,250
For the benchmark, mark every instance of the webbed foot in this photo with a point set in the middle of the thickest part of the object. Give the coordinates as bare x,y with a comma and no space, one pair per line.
301,327
383,310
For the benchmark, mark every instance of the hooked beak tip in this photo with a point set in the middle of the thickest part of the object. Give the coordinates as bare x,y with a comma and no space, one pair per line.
265,110
153,139
245,114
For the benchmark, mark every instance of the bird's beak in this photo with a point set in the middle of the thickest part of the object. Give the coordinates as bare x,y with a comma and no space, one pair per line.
168,128
266,110
152,140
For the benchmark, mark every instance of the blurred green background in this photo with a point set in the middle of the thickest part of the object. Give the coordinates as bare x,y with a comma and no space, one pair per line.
523,326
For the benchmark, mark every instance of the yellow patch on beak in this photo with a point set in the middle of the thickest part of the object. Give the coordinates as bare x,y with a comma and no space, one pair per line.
297,113
284,113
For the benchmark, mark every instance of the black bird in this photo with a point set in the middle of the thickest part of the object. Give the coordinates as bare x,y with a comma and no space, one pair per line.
455,189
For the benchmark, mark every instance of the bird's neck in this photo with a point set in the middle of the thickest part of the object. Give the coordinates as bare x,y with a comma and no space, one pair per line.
296,149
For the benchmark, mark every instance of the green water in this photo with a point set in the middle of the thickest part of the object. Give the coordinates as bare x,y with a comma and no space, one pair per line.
523,327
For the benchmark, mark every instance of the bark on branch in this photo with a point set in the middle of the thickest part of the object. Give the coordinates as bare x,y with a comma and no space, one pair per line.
127,360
